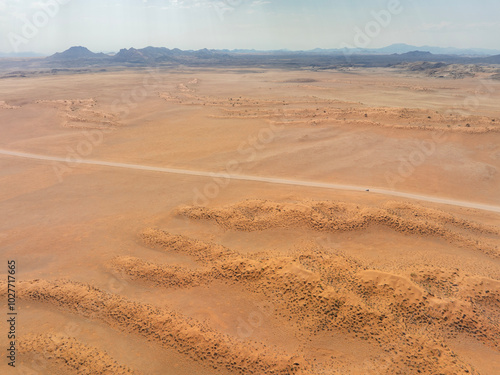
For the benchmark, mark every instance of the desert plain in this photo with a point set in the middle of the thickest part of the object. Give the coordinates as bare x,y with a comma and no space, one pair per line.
251,221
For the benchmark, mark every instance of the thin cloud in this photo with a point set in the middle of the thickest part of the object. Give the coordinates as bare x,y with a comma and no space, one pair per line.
258,3
185,4
448,26
482,25
436,26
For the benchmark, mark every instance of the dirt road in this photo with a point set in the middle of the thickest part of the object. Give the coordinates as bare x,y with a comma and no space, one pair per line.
271,180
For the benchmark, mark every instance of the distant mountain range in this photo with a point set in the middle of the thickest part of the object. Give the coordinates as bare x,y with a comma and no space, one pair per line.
132,55
80,57
156,55
152,52
404,48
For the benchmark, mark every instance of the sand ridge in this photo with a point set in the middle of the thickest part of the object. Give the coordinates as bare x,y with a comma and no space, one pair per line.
312,110
165,327
255,215
317,292
410,315
4,105
346,276
81,114
199,250
69,353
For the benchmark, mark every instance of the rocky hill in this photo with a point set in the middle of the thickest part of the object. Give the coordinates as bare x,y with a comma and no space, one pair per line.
77,53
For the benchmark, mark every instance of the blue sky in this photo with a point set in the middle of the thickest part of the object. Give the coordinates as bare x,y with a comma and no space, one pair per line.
108,25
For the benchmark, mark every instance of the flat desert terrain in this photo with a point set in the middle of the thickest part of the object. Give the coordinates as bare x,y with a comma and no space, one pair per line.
251,221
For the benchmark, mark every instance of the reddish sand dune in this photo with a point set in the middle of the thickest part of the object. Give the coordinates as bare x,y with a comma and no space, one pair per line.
72,355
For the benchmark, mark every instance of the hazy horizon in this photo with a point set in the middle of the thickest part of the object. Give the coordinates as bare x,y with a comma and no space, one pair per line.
50,26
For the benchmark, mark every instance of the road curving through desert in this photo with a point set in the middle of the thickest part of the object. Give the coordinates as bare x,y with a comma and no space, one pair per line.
271,180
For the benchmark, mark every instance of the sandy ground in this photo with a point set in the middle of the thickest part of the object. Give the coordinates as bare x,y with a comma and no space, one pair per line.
139,271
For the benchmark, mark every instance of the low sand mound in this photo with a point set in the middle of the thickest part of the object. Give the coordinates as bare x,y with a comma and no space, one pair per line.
300,80
257,215
201,251
409,210
313,110
165,327
4,105
164,276
82,114
69,353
